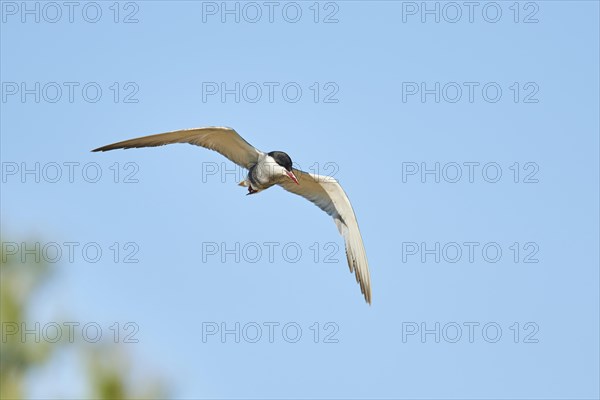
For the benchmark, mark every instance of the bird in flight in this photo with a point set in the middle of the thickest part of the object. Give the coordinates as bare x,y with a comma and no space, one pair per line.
274,168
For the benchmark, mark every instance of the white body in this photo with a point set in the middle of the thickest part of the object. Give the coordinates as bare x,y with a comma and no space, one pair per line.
264,174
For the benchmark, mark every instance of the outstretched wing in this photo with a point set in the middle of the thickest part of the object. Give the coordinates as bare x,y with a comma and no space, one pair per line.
220,139
329,196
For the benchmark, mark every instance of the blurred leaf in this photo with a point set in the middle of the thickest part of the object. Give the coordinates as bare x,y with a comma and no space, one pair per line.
109,369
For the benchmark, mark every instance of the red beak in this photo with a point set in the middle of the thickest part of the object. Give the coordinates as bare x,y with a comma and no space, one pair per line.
292,177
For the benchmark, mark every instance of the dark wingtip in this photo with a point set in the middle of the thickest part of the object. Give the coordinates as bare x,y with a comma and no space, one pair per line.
103,148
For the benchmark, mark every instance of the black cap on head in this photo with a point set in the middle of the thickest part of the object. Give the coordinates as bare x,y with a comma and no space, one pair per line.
282,159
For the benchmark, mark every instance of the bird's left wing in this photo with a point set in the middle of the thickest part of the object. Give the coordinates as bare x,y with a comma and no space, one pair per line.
223,140
328,195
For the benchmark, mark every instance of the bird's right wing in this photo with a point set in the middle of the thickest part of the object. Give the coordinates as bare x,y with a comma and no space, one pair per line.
220,139
328,195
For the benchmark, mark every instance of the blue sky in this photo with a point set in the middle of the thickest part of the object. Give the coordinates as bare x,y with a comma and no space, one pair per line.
361,113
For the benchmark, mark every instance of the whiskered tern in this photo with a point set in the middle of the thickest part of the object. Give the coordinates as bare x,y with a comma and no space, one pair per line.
274,168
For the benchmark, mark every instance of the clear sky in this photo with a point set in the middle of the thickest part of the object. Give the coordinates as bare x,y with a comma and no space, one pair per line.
468,147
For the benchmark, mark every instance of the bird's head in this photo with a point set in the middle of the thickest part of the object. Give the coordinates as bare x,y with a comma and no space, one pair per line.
285,162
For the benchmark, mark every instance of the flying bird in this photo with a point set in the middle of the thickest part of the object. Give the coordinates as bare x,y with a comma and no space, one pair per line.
274,168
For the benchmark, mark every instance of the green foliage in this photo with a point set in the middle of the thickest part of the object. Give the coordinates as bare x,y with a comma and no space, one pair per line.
109,369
